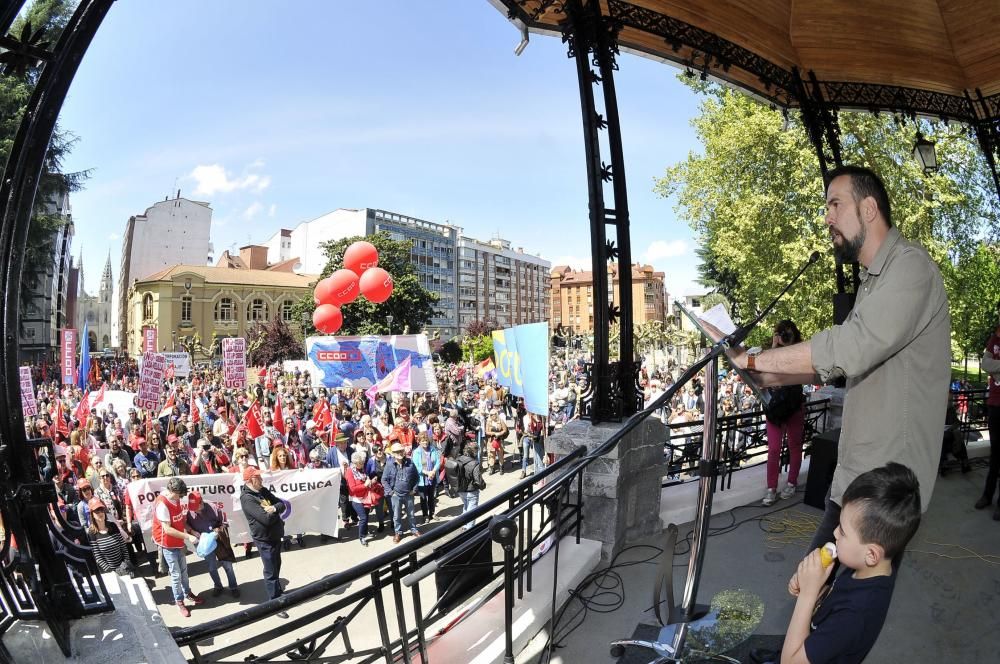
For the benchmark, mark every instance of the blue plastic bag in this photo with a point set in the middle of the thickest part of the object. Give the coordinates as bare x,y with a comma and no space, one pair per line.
207,543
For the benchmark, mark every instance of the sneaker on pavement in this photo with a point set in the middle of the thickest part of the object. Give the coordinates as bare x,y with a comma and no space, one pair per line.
769,498
414,532
235,592
787,492
216,591
185,612
282,614
197,601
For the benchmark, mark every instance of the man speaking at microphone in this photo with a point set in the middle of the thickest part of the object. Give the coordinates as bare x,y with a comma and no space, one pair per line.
894,348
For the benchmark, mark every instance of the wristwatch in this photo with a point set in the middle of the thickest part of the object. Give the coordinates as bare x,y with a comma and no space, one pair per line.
752,358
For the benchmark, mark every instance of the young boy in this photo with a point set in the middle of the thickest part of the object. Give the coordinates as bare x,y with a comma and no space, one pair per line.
881,512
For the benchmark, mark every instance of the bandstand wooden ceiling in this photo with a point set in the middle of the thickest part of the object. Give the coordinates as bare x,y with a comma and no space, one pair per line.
931,57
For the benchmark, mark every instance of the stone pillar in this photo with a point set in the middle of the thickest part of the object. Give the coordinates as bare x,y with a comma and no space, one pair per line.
621,501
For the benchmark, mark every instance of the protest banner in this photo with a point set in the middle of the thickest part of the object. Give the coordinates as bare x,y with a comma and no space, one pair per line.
522,361
151,381
28,404
68,363
119,399
181,362
234,362
149,339
353,362
311,497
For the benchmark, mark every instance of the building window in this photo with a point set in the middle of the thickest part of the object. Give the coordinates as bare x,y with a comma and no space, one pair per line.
257,310
286,310
147,307
186,309
224,309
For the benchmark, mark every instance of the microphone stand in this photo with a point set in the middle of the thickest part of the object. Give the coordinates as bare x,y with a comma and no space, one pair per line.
669,646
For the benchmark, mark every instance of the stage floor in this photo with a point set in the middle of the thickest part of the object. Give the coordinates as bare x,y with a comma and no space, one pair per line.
943,609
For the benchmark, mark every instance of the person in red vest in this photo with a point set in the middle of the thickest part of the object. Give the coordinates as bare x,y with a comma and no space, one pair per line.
169,532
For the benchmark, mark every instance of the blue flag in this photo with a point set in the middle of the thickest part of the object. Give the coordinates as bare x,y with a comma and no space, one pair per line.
84,375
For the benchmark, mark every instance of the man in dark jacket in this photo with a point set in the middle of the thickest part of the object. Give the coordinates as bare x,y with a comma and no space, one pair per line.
470,479
263,511
400,481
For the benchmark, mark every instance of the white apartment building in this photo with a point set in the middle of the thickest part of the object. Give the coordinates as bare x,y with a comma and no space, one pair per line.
496,282
171,232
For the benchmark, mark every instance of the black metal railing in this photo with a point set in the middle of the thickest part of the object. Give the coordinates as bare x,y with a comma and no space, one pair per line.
970,410
742,438
539,509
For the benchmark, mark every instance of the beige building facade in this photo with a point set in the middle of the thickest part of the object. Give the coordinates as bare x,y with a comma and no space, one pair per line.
186,299
573,297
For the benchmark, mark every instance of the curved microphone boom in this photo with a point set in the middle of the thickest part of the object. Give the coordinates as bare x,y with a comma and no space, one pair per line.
741,332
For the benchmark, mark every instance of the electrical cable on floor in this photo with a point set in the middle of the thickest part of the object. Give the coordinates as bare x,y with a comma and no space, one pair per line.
609,594
988,558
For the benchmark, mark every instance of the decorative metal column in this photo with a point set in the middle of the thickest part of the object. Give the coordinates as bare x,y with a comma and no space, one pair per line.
821,123
51,577
987,129
592,42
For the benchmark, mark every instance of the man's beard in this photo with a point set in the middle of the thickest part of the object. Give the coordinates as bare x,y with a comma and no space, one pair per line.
849,250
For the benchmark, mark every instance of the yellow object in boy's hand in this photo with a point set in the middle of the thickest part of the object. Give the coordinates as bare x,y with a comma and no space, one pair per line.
828,553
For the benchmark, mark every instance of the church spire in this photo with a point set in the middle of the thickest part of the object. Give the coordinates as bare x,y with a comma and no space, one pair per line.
107,285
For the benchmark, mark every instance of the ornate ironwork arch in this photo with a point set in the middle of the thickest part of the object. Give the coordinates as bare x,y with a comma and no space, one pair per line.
50,577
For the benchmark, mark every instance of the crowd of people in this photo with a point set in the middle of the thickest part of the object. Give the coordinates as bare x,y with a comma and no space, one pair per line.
395,452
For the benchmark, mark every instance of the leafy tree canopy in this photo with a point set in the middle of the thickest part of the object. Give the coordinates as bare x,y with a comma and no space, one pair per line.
451,352
411,305
272,342
755,199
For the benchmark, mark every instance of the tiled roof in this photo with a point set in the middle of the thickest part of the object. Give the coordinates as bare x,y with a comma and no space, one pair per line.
224,275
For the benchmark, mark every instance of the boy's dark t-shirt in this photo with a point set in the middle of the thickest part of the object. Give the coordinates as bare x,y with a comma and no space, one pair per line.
848,621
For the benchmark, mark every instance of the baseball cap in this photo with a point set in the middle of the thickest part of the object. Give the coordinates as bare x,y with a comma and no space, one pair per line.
96,504
249,473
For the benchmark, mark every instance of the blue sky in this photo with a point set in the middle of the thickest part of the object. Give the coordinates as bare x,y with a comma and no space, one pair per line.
277,113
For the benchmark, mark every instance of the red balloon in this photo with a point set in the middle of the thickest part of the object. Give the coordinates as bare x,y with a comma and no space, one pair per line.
376,285
327,318
360,256
323,294
344,287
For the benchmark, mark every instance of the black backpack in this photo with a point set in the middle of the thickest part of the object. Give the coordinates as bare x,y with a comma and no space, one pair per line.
466,475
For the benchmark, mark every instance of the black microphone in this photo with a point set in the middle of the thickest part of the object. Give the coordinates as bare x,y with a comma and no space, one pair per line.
741,332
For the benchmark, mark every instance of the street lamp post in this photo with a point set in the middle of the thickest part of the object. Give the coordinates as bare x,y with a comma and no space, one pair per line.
388,318
305,326
173,341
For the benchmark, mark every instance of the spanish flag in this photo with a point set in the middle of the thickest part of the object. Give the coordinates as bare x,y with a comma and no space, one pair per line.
485,367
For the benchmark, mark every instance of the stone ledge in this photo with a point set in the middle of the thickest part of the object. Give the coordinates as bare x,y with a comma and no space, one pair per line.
133,632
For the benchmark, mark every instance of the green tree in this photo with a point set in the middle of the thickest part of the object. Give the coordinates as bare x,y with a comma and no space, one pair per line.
39,25
478,348
754,198
411,305
973,283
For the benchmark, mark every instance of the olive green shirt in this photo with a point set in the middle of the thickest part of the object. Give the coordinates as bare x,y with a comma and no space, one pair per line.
895,351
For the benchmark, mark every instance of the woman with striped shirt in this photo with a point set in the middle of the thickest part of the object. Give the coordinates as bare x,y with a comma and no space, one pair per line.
107,541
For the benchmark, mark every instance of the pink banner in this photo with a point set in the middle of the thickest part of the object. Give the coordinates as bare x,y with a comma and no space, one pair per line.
234,361
68,356
28,403
154,365
149,339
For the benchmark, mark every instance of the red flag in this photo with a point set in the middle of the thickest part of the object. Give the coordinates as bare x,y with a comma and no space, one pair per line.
168,407
83,410
279,420
255,420
322,415
195,411
170,371
100,395
233,427
61,425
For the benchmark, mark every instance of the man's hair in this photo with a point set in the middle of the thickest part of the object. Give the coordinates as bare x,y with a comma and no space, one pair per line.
888,500
864,183
177,485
